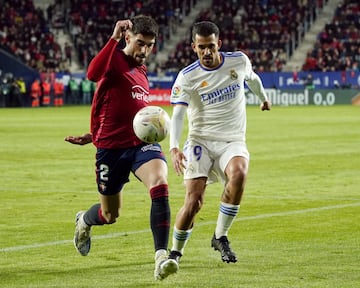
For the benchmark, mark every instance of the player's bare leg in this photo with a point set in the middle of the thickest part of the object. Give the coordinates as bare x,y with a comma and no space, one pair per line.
195,189
236,172
98,214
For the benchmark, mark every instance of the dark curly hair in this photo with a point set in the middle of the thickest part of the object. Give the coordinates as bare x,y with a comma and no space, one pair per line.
144,25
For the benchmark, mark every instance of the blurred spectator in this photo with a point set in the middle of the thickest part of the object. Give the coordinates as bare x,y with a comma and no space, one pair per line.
36,93
5,89
24,97
68,53
86,87
73,90
46,89
309,82
295,74
310,63
10,95
14,95
58,93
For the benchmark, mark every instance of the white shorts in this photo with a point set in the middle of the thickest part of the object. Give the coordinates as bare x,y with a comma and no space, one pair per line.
210,158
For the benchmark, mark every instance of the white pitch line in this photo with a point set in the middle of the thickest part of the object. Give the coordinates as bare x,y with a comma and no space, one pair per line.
246,218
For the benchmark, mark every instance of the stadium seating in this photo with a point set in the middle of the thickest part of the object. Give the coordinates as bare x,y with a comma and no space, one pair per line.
25,33
338,45
92,21
267,30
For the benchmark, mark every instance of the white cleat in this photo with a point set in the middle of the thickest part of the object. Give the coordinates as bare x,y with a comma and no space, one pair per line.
82,235
165,267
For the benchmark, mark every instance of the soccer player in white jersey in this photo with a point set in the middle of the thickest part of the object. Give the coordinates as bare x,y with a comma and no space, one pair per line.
211,91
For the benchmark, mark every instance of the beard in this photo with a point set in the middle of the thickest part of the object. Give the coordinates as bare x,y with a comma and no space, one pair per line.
140,59
208,61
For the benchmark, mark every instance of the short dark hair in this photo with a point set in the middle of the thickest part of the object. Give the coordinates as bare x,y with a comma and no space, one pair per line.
144,25
205,28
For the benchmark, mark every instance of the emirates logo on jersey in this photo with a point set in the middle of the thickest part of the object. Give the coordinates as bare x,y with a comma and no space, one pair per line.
140,93
221,94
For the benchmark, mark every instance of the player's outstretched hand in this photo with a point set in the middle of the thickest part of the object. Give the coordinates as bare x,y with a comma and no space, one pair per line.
178,159
79,140
266,105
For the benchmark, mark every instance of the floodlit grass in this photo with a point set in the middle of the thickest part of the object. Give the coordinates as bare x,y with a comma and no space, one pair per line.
298,225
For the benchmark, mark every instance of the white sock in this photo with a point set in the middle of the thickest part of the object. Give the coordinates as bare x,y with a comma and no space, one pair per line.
82,221
226,216
180,238
159,253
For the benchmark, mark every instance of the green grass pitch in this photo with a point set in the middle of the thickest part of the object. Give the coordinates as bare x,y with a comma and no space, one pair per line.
299,224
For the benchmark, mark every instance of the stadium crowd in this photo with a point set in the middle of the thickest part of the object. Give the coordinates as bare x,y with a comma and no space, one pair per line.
91,21
338,45
25,33
268,31
265,30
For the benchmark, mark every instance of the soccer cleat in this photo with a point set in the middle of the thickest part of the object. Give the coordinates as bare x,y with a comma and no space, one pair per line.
176,255
82,240
164,267
223,246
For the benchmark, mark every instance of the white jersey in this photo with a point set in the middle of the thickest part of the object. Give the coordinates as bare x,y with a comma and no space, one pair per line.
215,98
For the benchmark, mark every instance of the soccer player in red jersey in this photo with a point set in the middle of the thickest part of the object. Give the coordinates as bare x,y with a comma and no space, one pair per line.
122,90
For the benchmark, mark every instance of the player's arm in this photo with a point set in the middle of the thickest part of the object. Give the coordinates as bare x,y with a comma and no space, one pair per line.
79,140
100,63
176,128
255,84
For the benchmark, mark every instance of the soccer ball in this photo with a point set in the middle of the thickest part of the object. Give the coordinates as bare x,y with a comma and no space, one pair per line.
151,124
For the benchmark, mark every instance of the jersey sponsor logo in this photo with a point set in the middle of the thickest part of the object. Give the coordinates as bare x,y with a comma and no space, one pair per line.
140,93
150,147
221,95
204,84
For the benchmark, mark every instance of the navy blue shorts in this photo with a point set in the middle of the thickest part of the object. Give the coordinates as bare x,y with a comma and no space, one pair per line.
113,166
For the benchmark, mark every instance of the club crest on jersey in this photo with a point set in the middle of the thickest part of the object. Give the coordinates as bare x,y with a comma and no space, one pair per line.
233,74
102,187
